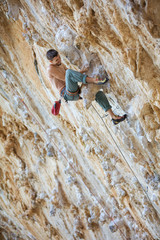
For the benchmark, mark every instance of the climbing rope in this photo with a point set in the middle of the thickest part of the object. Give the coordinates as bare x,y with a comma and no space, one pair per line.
122,154
77,173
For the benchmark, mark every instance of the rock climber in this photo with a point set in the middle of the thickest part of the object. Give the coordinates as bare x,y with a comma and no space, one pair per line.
66,81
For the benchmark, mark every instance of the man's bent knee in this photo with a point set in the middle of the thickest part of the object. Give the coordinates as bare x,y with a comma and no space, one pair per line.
68,72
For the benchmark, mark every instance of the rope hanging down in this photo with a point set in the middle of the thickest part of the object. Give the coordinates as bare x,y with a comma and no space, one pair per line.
122,155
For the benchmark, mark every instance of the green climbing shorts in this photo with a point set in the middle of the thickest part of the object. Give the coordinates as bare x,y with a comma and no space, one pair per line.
102,100
72,90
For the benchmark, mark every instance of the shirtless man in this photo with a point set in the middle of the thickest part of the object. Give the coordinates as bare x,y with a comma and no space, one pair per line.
66,82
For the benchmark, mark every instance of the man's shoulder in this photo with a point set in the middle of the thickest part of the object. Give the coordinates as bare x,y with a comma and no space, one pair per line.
51,69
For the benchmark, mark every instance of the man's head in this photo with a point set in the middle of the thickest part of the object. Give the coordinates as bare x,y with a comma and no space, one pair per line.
53,56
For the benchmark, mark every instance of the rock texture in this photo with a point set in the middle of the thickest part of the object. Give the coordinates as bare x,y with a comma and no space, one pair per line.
76,176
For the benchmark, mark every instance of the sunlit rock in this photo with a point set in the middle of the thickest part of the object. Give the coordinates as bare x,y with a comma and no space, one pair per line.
76,175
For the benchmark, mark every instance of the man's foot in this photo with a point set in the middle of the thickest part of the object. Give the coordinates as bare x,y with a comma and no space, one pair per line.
102,81
119,119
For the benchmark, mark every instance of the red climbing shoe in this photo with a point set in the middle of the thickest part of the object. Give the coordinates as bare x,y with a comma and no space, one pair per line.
116,121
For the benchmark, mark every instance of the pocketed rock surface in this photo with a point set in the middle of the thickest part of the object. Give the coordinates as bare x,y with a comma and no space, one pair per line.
76,175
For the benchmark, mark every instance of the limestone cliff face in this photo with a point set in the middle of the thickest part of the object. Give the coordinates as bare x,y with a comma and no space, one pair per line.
76,175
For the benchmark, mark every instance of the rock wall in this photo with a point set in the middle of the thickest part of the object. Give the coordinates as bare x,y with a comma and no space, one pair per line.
76,175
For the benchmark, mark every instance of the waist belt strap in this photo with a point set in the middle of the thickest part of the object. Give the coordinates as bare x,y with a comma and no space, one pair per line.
72,93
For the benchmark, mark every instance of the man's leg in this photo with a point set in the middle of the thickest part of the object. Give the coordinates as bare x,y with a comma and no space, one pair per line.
72,79
102,100
91,80
72,89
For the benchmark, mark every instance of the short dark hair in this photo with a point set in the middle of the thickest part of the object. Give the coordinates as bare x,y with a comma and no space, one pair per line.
51,54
